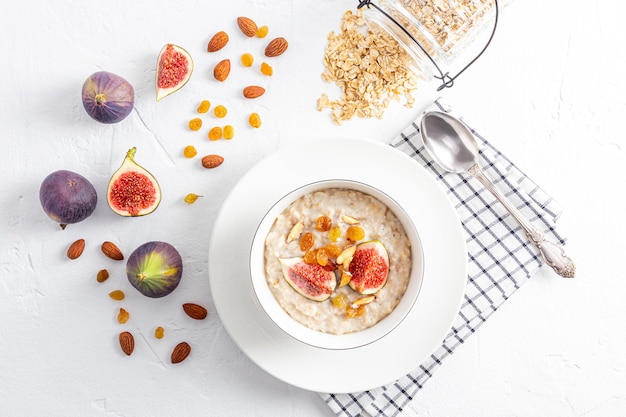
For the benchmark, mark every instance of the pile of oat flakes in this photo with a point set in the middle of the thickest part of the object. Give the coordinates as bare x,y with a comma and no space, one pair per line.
370,68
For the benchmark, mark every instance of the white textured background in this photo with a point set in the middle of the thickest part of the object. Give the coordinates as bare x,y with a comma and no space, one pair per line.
550,93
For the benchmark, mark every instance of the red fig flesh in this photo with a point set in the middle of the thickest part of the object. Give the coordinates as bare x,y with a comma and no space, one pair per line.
174,68
133,191
311,280
369,267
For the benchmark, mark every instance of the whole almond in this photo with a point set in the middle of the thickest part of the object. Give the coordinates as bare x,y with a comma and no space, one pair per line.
180,352
212,161
217,42
276,47
247,26
195,311
253,91
221,70
111,250
76,249
127,343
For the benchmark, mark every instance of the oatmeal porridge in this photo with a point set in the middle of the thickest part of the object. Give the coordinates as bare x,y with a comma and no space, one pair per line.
321,228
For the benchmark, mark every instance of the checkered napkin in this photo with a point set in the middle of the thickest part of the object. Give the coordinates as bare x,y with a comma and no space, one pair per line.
500,261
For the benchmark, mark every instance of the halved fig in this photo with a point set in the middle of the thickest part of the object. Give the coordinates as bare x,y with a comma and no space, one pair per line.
174,68
311,280
133,191
369,267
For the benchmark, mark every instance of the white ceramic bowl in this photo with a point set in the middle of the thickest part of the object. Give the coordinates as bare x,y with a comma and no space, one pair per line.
295,329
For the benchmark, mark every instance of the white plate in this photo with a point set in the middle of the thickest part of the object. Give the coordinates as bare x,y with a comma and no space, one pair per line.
351,370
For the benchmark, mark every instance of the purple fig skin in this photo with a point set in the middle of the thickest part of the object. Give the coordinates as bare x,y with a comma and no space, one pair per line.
155,269
67,197
107,98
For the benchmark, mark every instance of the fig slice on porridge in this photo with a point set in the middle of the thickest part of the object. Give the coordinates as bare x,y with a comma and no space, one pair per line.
369,267
311,280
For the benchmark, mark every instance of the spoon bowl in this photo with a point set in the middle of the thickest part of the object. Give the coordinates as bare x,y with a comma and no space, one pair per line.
453,146
450,143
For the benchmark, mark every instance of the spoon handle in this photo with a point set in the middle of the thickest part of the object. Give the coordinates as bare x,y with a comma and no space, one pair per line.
553,254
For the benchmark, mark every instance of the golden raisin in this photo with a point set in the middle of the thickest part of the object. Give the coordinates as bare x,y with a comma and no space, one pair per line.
159,332
117,295
355,233
190,151
340,301
307,240
195,124
323,223
102,275
247,60
262,31
266,69
191,198
254,120
321,256
204,106
123,316
215,133
352,312
334,233
332,250
220,111
310,256
229,132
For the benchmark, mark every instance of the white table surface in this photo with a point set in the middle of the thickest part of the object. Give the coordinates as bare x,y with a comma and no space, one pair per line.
550,93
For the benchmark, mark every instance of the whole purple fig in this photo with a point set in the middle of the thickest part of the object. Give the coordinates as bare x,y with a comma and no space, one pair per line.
67,197
155,269
108,98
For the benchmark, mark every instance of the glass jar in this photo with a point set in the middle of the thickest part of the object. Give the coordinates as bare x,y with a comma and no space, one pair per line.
433,32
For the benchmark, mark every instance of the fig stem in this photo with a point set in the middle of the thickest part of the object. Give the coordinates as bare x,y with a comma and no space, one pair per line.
141,276
100,98
131,153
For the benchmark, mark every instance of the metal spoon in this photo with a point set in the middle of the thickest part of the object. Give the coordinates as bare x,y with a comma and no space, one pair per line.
453,146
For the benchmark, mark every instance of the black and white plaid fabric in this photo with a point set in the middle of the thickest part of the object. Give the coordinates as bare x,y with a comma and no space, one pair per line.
500,261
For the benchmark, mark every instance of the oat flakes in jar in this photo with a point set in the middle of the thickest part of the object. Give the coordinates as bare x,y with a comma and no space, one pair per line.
436,32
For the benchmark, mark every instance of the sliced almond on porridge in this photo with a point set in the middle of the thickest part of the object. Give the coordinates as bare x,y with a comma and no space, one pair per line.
345,278
349,220
363,301
295,232
346,254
